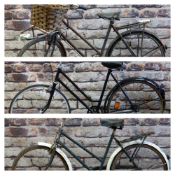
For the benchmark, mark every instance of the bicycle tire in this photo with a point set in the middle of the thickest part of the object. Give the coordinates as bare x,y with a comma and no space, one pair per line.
39,46
150,42
33,98
36,158
147,158
137,91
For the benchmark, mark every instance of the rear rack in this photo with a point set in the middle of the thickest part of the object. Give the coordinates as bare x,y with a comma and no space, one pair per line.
137,137
140,23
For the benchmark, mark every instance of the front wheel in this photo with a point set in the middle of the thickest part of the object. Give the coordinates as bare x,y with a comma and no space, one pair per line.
147,158
144,96
34,98
36,158
143,44
42,47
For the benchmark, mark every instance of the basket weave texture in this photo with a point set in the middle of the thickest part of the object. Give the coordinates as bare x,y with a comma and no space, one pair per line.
48,17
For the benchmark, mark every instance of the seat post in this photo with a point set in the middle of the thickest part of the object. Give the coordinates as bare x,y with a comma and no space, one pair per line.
114,129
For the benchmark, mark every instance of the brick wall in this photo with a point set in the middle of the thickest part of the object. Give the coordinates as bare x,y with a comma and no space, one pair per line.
21,133
92,28
89,76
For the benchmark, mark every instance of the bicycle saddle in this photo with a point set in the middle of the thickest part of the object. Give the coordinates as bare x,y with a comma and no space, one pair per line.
114,124
112,64
115,15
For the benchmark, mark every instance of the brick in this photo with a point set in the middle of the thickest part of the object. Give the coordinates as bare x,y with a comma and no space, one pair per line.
49,68
135,67
31,78
12,6
21,14
17,25
35,121
6,121
164,13
53,122
8,15
148,13
166,66
19,132
148,122
8,69
159,23
40,76
35,68
18,122
165,121
26,6
73,122
19,77
90,122
19,68
131,122
91,14
146,6
129,13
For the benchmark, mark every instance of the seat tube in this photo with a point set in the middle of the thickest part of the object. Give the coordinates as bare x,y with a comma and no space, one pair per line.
106,152
104,87
106,38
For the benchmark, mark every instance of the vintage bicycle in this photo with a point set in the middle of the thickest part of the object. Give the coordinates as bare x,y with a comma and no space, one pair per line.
132,95
134,153
136,41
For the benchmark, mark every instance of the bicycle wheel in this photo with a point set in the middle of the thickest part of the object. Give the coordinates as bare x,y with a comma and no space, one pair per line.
33,98
142,94
36,158
40,46
149,46
147,158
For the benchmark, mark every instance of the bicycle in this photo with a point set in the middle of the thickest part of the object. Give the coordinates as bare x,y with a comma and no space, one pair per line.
135,42
132,95
132,154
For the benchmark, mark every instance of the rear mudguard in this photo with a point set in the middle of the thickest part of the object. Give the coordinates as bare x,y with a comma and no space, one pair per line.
111,159
153,36
162,92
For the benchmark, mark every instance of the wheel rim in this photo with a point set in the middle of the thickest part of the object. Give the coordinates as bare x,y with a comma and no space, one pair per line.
41,48
147,48
33,99
147,158
36,158
143,95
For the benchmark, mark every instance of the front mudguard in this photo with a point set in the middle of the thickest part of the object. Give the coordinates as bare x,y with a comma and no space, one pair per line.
161,91
58,43
59,151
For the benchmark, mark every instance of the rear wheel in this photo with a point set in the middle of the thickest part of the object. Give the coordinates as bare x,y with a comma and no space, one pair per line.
147,158
143,95
143,45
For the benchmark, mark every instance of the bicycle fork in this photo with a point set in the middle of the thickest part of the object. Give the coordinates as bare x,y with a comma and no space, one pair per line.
54,146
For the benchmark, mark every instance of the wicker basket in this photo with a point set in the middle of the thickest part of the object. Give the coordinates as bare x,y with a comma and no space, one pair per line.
48,17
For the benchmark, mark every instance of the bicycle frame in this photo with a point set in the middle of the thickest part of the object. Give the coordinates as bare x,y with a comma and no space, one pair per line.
57,79
57,141
104,43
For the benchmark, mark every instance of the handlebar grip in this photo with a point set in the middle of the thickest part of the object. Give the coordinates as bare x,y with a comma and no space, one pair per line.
82,7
